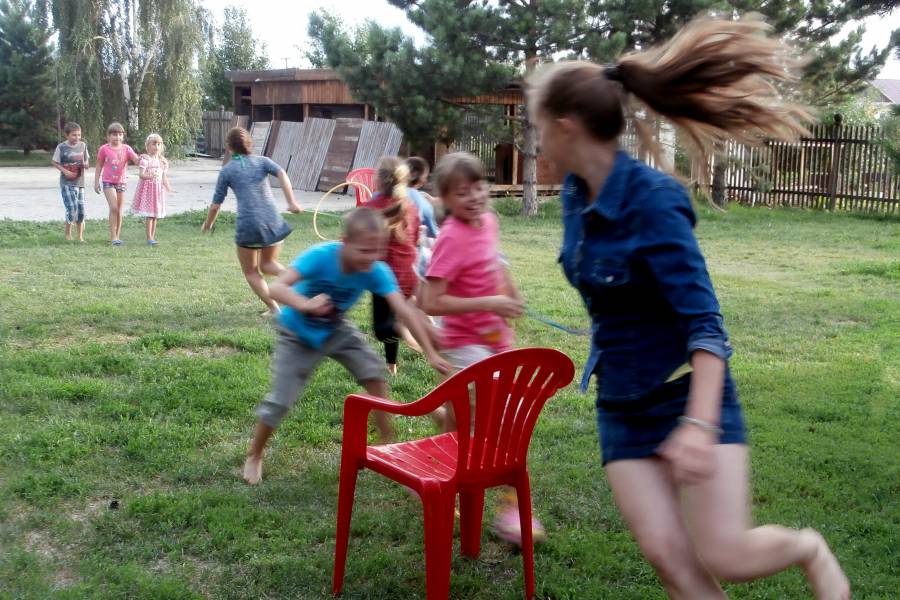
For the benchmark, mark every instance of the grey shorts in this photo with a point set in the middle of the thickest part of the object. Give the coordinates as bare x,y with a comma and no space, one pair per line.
294,362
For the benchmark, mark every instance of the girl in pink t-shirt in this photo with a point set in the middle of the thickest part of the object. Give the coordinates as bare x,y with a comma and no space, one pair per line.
112,163
468,285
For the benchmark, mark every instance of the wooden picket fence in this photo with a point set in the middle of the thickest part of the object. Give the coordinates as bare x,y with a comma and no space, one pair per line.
834,168
216,124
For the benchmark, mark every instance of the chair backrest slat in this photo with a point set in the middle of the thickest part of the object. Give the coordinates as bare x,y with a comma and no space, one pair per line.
508,392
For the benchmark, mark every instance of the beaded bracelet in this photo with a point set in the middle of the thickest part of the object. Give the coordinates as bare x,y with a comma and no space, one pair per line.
704,425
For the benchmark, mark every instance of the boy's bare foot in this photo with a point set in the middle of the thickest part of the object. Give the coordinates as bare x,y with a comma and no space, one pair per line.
253,469
392,368
823,570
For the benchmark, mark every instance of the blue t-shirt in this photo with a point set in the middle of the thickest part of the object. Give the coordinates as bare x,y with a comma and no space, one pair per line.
426,211
320,270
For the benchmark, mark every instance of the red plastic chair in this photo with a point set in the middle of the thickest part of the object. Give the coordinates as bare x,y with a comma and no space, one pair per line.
366,177
510,390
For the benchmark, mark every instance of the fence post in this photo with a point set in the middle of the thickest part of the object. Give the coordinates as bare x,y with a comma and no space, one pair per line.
835,161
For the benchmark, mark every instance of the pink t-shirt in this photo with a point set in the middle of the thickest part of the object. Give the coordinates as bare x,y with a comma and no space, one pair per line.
115,162
468,257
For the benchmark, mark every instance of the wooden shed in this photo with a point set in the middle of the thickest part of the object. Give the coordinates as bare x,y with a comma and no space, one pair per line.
300,94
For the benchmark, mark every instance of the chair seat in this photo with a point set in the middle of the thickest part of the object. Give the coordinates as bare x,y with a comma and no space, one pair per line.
429,459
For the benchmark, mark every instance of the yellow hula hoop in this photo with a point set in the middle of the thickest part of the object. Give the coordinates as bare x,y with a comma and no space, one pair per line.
325,195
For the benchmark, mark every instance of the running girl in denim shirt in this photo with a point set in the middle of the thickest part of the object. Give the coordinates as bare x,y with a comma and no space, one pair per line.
672,434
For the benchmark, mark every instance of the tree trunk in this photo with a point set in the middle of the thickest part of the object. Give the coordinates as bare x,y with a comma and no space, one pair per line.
529,169
529,155
718,182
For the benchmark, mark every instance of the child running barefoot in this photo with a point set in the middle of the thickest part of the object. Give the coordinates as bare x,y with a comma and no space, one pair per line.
71,159
317,290
112,162
468,285
150,195
402,218
671,427
260,230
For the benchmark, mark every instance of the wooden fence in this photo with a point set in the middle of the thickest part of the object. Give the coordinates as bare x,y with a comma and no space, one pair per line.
216,124
835,168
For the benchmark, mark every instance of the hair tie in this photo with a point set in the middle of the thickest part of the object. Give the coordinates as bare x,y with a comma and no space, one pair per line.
613,72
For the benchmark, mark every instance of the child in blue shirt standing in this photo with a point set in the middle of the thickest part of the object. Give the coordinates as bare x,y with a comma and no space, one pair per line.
316,292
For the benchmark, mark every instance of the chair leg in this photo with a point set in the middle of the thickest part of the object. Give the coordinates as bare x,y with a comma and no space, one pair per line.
471,515
346,490
523,495
438,544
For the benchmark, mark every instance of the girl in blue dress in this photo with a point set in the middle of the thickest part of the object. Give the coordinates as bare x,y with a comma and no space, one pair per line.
672,435
260,230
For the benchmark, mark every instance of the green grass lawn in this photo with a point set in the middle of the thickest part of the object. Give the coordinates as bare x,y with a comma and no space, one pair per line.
129,375
14,158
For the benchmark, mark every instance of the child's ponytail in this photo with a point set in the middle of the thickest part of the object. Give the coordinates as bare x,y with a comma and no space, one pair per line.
714,80
393,176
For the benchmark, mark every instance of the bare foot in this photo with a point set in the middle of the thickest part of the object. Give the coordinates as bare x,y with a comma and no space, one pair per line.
823,570
253,470
392,368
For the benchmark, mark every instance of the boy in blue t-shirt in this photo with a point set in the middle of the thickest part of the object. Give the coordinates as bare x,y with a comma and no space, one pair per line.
316,291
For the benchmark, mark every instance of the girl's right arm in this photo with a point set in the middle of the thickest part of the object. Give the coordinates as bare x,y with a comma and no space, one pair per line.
101,159
288,191
437,302
282,290
218,199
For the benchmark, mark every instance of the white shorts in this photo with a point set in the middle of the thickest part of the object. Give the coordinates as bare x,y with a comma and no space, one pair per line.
463,356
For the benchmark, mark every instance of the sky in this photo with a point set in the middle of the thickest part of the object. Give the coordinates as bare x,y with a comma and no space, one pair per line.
281,24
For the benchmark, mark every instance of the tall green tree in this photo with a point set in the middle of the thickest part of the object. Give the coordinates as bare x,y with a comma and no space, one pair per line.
478,35
837,68
409,85
131,61
231,47
27,80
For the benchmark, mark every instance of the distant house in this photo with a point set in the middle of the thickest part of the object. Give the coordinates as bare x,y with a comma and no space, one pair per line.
884,93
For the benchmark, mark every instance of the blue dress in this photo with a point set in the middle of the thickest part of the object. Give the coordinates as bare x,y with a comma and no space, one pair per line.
259,224
632,255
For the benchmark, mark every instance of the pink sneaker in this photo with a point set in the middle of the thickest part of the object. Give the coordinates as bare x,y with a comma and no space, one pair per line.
507,527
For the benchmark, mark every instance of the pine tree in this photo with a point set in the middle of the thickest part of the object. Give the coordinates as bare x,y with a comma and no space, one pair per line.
231,47
406,84
478,35
27,79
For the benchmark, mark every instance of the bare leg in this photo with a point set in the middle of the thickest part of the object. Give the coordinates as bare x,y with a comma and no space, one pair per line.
647,497
718,514
383,422
81,231
249,259
269,260
68,231
149,221
120,202
110,195
253,464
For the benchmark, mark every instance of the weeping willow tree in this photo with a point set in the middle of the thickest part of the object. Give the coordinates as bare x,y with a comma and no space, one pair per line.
133,61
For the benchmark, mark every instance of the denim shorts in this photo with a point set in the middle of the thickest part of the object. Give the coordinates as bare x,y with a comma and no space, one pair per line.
635,428
119,187
73,201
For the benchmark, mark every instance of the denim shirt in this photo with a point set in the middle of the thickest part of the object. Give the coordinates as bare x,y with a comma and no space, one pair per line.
632,255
